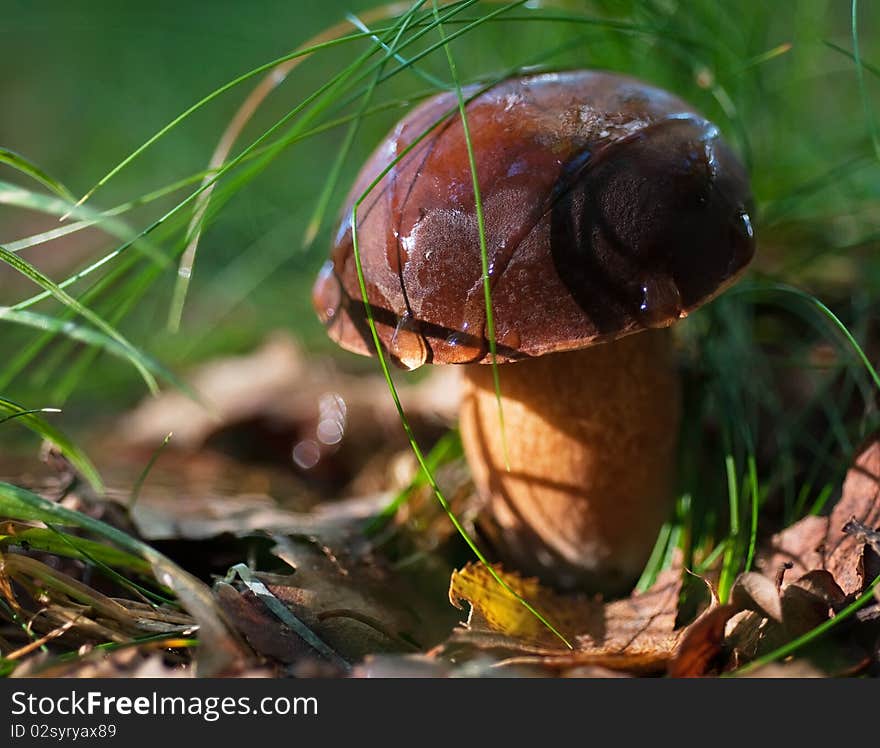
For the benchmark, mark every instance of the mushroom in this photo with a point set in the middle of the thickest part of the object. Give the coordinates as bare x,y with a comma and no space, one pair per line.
612,210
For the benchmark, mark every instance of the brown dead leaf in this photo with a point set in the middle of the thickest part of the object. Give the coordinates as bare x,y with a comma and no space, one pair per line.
357,604
809,601
197,517
804,604
863,533
749,634
822,542
635,634
701,643
812,569
753,591
263,632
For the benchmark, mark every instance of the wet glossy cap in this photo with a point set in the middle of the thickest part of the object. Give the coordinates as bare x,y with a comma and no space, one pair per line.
610,206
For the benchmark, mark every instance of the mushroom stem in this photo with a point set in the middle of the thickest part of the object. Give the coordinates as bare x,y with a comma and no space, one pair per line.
591,441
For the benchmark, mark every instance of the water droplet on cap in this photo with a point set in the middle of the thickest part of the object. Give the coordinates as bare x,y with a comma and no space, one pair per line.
747,225
661,301
327,293
463,347
407,344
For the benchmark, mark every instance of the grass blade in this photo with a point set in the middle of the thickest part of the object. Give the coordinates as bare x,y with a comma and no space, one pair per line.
48,540
29,271
484,252
29,419
88,336
20,163
220,648
811,635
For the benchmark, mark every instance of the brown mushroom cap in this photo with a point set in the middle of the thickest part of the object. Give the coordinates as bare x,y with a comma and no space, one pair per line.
610,206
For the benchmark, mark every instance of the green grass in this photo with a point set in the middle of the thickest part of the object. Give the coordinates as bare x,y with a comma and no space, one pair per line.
794,95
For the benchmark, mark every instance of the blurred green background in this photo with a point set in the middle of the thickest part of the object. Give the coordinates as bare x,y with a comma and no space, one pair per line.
85,83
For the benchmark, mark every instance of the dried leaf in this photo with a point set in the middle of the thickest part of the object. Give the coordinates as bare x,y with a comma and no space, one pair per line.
809,601
701,644
356,604
802,605
264,632
753,591
799,545
635,634
749,634
822,542
209,516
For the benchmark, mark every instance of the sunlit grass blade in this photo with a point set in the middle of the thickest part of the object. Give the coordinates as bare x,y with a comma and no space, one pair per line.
305,51
99,218
21,413
23,165
89,336
755,503
770,54
75,545
353,73
48,540
811,301
730,564
873,69
14,195
31,420
29,271
447,448
64,325
484,252
709,561
220,646
427,77
139,483
330,186
655,560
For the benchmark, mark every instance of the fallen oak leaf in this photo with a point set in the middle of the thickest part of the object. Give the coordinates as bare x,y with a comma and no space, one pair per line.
830,561
493,608
285,615
759,619
812,637
755,592
808,605
810,601
353,601
701,643
822,542
635,634
265,633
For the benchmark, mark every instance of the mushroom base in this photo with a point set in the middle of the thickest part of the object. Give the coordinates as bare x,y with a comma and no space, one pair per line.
591,441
